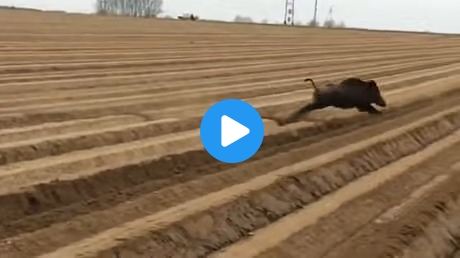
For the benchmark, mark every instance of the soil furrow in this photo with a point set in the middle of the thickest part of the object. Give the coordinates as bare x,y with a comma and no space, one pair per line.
101,156
196,71
160,170
272,80
143,77
38,148
328,235
425,224
178,99
104,54
185,60
55,129
258,78
7,121
182,98
12,69
241,209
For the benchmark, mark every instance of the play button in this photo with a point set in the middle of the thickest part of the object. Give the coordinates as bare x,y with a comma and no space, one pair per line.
232,131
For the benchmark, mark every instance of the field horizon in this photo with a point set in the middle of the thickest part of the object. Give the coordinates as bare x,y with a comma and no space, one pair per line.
153,19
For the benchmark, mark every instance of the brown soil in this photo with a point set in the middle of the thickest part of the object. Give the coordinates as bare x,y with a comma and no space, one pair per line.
100,154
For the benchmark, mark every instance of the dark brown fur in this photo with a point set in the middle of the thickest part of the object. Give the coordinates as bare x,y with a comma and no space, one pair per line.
349,93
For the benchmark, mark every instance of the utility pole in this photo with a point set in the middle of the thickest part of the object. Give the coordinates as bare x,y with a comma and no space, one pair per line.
316,12
289,12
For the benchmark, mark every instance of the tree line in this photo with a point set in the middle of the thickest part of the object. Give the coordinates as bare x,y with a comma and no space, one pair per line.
136,8
152,8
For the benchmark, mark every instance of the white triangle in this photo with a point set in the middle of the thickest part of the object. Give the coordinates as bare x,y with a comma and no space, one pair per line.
231,131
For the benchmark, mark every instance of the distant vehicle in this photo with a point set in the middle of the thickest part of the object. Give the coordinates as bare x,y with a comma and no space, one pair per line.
188,16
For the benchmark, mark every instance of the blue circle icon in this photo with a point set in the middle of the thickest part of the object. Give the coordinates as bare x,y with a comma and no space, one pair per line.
232,131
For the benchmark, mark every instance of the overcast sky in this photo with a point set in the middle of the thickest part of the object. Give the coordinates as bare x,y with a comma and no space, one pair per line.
416,15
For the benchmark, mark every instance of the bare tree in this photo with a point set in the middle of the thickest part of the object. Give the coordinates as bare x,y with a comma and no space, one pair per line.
136,8
101,7
313,23
244,19
330,23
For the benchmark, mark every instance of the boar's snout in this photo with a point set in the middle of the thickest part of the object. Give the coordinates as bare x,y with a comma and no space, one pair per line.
381,102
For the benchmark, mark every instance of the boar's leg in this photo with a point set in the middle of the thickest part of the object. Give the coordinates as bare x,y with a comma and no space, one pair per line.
302,111
369,109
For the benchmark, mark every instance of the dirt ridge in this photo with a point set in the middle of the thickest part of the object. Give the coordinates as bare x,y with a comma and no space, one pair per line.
100,151
132,174
256,206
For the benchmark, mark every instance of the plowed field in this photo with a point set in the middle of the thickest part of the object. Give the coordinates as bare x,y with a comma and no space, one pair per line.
100,154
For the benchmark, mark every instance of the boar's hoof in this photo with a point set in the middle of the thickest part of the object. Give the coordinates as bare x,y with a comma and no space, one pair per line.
281,121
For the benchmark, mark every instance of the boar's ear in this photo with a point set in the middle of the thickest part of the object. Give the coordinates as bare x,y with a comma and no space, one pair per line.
371,83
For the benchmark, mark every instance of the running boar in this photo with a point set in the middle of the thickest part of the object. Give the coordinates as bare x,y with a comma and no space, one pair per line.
349,93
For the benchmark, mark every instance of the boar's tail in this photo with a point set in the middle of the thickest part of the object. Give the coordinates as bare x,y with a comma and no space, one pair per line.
312,82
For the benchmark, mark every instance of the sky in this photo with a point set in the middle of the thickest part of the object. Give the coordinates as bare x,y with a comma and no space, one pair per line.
412,15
